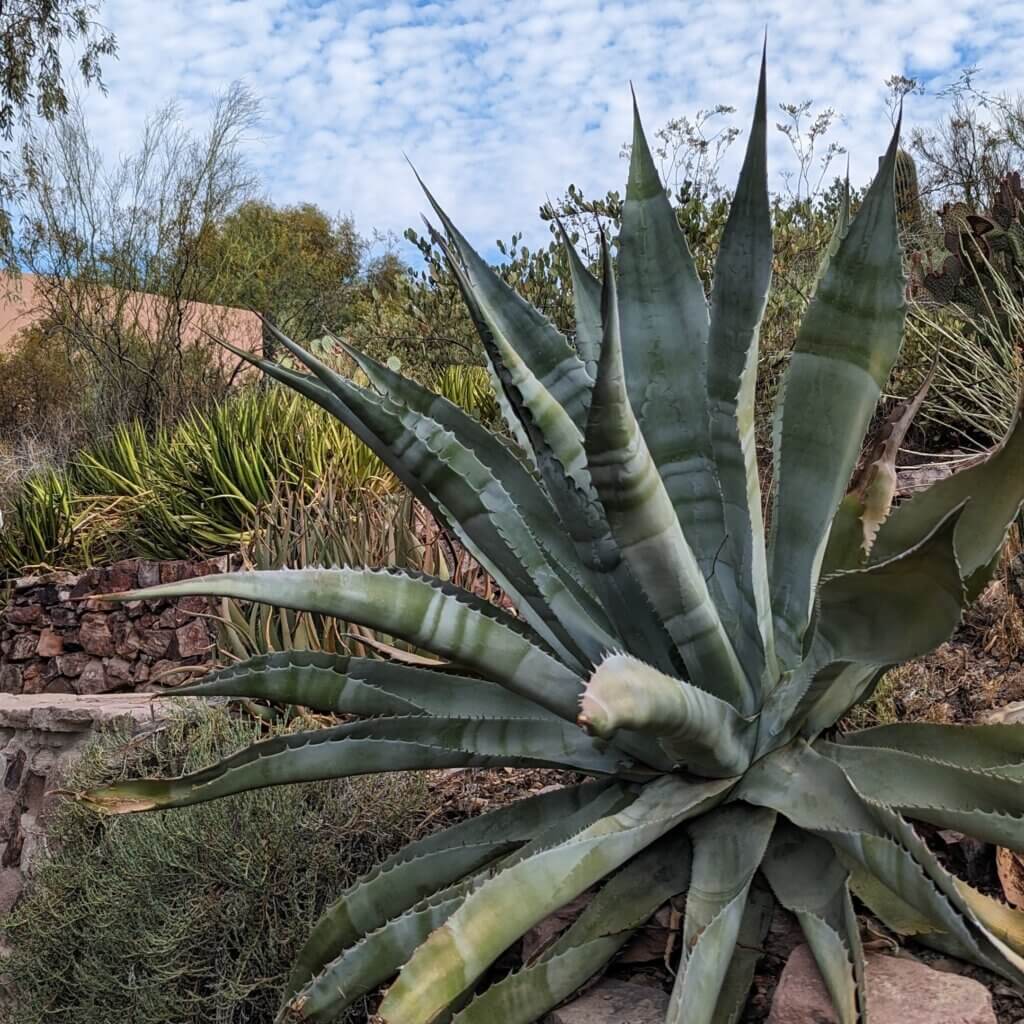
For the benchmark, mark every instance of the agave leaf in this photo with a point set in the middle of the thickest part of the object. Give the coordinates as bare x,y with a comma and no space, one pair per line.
994,492
607,922
808,880
423,611
867,506
506,906
518,327
695,729
586,297
997,748
873,617
323,972
728,845
742,276
645,525
365,747
845,686
847,344
739,976
343,685
479,508
560,458
392,891
941,794
699,992
839,229
816,795
664,314
504,463
1005,923
372,960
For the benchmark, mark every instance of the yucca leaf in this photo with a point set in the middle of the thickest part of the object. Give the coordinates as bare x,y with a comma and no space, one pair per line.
376,745
607,922
506,906
424,611
846,346
743,273
664,316
430,864
645,525
343,685
695,729
754,925
728,845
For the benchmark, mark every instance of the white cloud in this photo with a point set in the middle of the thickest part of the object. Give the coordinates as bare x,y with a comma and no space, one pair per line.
500,104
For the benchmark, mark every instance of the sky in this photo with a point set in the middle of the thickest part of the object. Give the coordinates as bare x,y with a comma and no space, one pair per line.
501,104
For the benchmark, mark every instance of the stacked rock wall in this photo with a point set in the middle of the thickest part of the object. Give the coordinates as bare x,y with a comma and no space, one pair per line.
58,636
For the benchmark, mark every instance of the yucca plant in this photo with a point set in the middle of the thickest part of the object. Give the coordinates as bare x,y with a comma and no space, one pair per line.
663,647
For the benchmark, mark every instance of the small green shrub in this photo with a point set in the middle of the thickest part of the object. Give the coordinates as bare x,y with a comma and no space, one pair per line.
191,918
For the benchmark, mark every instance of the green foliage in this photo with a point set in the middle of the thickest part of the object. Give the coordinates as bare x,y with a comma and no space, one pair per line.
294,264
35,42
191,918
690,661
325,526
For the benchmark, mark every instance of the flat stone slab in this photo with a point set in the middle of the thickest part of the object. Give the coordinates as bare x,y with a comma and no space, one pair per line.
614,1002
899,992
68,712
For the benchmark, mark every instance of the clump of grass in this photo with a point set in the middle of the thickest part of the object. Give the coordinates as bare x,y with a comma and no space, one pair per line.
191,916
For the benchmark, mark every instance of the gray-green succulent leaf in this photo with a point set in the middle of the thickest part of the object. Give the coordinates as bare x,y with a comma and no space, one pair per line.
654,639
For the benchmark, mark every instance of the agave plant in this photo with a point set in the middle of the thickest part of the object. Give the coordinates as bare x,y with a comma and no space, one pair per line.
691,668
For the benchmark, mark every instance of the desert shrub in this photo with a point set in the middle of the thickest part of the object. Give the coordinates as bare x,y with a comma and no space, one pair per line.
191,917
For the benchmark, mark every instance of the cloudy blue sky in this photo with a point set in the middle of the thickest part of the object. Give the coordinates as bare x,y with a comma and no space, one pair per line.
503,103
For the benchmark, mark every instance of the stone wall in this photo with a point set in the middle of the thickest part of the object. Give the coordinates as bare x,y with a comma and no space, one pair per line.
40,736
56,636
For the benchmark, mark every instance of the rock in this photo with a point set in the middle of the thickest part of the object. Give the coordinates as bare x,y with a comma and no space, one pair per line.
117,671
51,643
193,639
900,991
148,574
94,635
155,642
1010,868
10,679
72,664
32,680
23,615
39,737
616,1002
22,647
93,678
